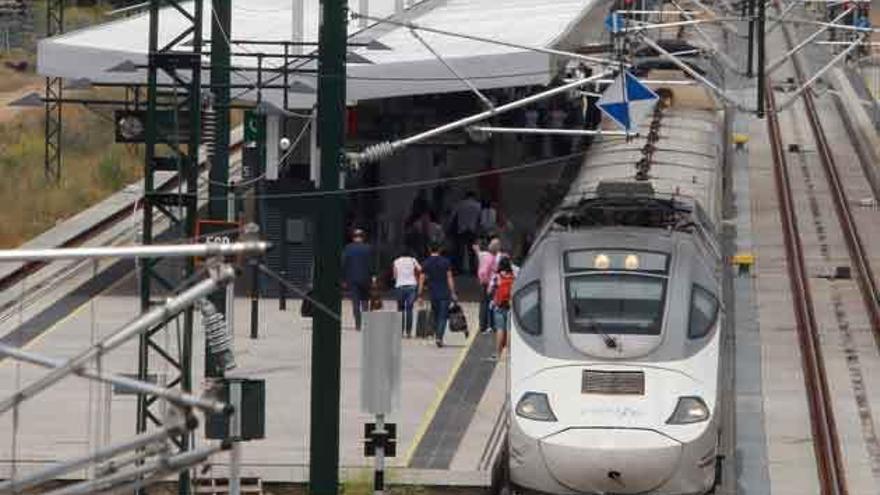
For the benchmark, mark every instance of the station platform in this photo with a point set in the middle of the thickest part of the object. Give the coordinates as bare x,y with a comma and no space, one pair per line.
451,397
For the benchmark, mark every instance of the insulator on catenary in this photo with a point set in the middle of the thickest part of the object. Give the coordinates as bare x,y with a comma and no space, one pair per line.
218,335
209,127
373,153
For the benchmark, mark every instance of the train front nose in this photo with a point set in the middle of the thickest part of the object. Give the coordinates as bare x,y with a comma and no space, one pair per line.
599,460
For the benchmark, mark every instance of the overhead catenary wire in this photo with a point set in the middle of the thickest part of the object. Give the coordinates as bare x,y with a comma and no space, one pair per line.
416,183
386,149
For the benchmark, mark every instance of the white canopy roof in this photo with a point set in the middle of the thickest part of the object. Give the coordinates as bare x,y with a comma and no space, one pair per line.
408,68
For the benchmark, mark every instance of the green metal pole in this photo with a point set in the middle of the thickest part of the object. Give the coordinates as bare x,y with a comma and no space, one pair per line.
192,212
326,337
218,207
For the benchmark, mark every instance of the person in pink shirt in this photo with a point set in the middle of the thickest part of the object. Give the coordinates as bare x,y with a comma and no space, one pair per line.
486,267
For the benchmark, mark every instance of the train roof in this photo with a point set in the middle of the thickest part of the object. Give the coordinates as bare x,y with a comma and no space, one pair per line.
671,168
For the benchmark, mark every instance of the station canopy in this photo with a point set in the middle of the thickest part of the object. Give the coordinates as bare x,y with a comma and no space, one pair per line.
398,65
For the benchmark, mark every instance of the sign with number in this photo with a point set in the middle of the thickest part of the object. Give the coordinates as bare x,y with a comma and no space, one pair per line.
216,232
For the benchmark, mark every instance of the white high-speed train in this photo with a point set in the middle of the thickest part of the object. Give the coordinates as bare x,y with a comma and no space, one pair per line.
614,344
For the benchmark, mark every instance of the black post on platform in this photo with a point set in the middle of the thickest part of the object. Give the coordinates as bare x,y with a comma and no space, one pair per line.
762,38
326,337
751,55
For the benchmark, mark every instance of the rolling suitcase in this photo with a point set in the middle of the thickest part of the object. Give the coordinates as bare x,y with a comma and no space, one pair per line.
424,323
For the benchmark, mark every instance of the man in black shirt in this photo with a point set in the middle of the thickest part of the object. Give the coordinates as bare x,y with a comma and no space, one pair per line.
437,277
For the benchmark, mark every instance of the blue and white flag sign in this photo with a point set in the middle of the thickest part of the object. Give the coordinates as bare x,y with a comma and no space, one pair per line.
627,101
614,23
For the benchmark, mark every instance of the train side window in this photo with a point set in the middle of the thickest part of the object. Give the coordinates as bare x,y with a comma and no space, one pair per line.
527,306
704,312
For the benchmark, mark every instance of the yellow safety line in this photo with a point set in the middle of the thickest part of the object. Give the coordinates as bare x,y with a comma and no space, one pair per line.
435,405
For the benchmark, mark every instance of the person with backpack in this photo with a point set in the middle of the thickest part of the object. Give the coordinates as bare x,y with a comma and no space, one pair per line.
437,277
501,291
487,265
406,282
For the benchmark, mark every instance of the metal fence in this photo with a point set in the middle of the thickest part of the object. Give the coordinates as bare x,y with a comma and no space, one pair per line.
16,24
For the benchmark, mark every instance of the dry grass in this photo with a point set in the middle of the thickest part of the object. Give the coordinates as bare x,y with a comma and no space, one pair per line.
11,80
93,167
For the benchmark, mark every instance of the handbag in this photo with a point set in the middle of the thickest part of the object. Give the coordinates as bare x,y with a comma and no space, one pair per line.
424,323
457,319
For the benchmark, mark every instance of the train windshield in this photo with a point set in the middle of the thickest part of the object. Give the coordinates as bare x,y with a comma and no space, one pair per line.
616,303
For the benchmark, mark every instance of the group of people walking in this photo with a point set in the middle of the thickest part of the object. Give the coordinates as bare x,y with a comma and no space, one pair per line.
455,228
432,281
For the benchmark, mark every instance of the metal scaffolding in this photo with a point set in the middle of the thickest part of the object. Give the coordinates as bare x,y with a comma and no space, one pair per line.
173,135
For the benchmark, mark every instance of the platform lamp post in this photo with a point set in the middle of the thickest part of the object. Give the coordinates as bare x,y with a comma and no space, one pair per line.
326,337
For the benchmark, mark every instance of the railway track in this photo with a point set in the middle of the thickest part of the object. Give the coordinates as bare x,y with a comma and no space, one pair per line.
855,246
826,442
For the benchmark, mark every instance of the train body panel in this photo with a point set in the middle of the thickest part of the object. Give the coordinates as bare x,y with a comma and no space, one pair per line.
614,343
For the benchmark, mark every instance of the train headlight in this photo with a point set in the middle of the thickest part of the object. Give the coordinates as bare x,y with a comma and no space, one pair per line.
535,406
631,262
602,262
689,410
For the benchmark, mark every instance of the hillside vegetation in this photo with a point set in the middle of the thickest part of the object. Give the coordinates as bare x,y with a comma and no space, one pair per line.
93,167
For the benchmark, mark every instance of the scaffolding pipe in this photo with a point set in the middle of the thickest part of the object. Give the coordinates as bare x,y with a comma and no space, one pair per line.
550,132
690,71
139,457
138,251
730,29
486,102
173,396
779,61
712,46
219,276
837,58
787,10
644,27
843,27
139,442
382,150
160,468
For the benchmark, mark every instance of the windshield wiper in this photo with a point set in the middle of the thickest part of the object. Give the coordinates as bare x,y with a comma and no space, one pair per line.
610,342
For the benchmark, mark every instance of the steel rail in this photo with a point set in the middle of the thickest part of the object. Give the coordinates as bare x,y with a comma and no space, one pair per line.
854,244
826,444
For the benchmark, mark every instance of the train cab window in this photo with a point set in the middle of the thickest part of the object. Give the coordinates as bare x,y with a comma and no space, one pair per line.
527,307
616,303
704,311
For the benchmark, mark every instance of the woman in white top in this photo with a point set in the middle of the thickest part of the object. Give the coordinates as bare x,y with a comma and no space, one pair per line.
406,283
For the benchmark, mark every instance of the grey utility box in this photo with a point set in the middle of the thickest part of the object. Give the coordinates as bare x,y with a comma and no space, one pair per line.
249,420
